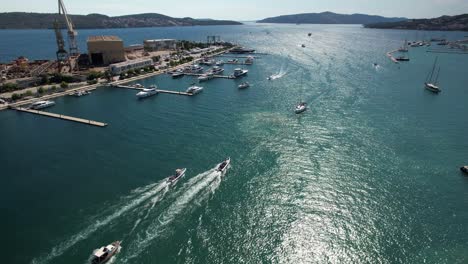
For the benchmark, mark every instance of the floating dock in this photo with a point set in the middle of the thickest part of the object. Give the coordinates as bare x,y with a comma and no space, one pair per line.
64,117
159,90
214,76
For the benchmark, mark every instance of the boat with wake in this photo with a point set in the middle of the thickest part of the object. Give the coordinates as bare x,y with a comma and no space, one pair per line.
464,169
431,83
104,254
244,85
179,173
223,166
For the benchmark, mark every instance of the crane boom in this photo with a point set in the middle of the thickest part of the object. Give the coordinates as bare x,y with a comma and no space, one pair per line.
71,31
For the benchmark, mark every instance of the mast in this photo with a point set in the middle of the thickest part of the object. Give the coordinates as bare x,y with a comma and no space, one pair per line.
437,76
433,69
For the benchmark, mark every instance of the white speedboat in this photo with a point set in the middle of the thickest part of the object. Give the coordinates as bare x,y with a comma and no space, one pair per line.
207,62
431,83
220,63
179,173
147,92
41,104
233,61
432,87
240,72
216,70
249,60
223,166
244,85
205,77
177,73
138,85
194,89
300,108
104,254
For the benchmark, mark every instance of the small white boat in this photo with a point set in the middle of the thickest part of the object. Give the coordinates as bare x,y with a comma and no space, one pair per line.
147,92
104,254
80,93
300,108
220,63
244,85
216,70
208,62
41,104
205,77
464,169
432,87
240,72
179,173
223,166
138,85
233,61
249,60
177,73
194,89
431,80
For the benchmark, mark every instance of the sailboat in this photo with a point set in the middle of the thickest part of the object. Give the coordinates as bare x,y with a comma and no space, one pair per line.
302,106
404,48
431,84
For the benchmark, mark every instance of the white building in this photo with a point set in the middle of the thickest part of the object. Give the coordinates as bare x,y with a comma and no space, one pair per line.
118,68
160,44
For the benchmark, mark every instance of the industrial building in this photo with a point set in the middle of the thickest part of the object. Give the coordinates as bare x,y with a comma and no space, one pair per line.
118,68
159,44
105,50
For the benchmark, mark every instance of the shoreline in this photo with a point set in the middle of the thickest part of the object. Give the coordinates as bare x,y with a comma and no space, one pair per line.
107,84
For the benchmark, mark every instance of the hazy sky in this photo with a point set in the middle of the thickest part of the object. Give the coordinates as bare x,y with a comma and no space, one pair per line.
244,9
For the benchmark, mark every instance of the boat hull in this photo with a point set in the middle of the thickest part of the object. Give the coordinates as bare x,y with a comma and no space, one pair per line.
225,168
173,181
432,88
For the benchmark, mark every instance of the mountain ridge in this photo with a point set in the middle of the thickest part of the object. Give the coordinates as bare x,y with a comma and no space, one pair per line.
329,18
24,20
443,23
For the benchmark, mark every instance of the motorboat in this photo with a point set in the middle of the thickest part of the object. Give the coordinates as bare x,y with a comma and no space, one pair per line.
233,61
432,87
300,108
244,85
464,169
177,73
249,60
80,93
41,104
223,166
216,70
239,72
220,63
242,50
402,58
205,77
207,62
179,173
303,45
104,254
138,85
194,89
147,92
193,69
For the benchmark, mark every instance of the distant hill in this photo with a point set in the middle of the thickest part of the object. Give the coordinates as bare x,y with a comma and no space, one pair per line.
446,23
20,20
329,18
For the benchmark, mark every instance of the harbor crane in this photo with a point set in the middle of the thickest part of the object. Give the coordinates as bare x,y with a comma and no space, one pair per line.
63,57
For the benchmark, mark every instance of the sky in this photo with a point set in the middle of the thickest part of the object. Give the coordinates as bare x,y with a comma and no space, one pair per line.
244,10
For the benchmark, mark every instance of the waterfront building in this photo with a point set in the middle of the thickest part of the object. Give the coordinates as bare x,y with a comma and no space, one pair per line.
118,68
104,50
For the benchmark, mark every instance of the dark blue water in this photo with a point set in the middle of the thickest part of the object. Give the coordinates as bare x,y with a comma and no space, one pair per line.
369,174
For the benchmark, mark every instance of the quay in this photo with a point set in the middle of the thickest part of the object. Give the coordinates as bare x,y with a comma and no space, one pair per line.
63,117
159,90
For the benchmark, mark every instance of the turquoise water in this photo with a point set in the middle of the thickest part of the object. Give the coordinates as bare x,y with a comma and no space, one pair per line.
369,174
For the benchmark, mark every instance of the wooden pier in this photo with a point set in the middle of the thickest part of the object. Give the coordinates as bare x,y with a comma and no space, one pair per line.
64,117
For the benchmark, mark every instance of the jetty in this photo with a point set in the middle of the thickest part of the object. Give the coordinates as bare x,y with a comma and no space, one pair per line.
63,117
214,76
159,90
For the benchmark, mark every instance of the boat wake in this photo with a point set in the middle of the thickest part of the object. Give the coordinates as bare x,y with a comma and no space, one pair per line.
143,195
189,198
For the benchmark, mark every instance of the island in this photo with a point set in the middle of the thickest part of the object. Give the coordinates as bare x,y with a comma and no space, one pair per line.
22,20
329,18
443,23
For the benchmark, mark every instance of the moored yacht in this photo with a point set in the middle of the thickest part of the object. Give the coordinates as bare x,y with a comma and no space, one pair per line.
104,254
41,104
205,77
220,63
147,92
208,62
300,108
249,60
194,89
179,173
239,72
223,166
216,70
177,73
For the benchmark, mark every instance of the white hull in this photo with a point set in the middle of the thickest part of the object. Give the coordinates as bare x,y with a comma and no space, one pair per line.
431,87
43,105
225,168
144,94
173,181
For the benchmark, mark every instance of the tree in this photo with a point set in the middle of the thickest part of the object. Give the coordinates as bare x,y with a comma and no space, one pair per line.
28,93
15,96
64,85
40,90
92,75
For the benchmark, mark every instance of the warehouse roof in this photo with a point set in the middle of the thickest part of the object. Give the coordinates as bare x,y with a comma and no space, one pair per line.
103,38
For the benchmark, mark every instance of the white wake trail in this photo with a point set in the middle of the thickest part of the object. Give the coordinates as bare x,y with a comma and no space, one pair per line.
62,247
